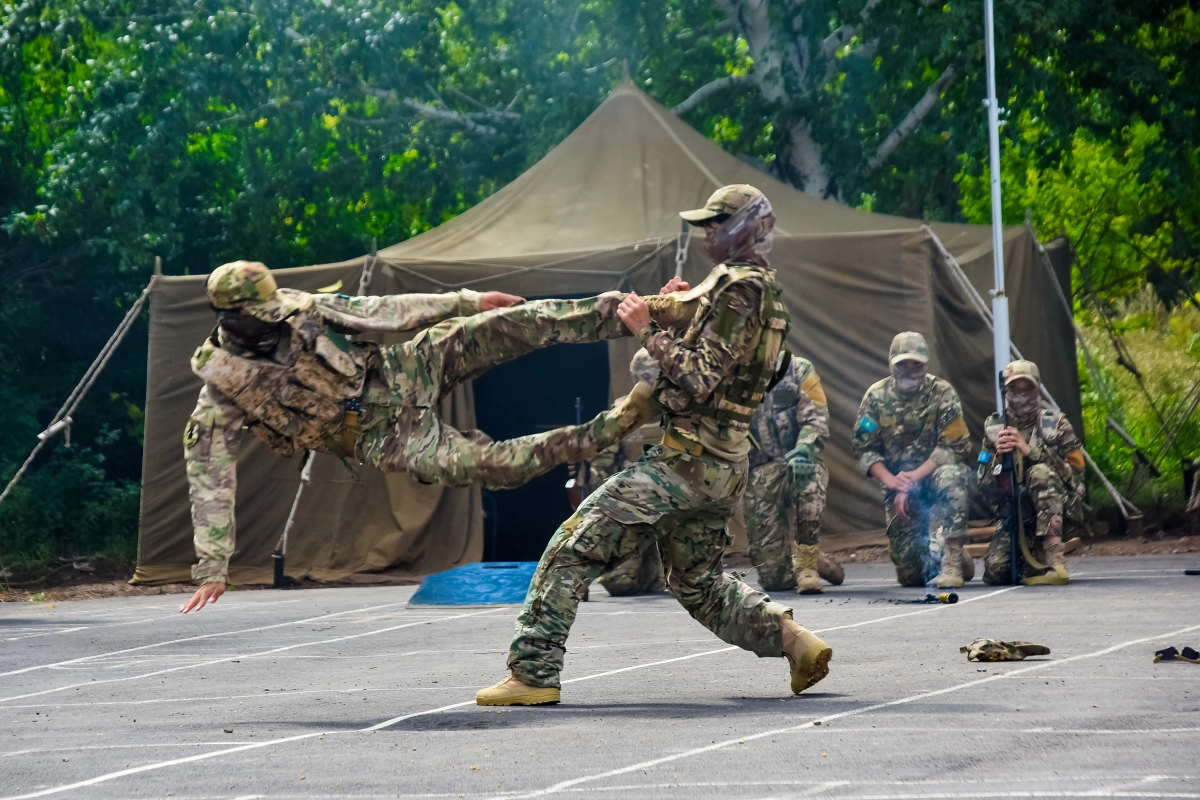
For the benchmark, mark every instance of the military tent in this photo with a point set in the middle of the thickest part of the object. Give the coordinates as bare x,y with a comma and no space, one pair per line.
600,212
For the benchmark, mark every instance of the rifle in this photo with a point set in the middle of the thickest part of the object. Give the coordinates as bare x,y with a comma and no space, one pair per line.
1009,464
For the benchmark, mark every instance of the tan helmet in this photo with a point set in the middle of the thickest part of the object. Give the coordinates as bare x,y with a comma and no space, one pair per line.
726,200
250,287
908,346
1022,369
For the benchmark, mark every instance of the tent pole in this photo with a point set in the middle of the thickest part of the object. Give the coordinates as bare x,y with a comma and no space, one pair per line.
1000,328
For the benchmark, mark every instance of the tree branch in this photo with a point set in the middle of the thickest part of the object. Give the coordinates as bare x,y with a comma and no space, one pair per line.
719,85
448,116
845,33
913,118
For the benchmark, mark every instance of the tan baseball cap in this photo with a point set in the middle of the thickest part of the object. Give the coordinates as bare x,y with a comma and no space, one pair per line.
725,200
909,345
1022,369
249,286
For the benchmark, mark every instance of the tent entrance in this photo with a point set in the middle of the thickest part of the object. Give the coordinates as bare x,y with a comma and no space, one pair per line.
532,394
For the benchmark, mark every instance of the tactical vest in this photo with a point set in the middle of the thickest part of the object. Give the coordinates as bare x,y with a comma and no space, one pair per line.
294,400
731,404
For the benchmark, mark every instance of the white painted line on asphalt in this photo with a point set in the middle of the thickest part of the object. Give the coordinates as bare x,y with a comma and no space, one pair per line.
810,725
115,747
193,639
226,659
45,633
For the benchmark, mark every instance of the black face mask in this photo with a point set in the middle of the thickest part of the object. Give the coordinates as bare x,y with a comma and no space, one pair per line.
249,333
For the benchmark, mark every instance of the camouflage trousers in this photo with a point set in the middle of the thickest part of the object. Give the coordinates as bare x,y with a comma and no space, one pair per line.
1043,497
410,436
641,573
660,500
775,519
939,508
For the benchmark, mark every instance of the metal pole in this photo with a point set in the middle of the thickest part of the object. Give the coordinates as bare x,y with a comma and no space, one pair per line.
1000,340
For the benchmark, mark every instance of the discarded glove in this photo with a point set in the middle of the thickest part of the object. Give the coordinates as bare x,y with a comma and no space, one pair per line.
993,650
1171,654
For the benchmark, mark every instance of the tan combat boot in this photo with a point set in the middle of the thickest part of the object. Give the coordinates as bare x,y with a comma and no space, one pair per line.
951,576
968,567
830,570
1057,561
511,692
804,563
808,657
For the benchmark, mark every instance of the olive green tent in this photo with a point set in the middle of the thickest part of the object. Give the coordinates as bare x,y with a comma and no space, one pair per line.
600,212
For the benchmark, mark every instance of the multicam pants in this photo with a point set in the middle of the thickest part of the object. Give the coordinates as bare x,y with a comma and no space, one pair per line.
1043,496
939,508
651,502
641,573
409,436
775,519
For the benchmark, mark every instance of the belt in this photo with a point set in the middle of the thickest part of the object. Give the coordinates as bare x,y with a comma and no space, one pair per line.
689,448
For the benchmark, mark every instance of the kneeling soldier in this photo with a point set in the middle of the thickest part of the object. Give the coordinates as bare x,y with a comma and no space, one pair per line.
1048,462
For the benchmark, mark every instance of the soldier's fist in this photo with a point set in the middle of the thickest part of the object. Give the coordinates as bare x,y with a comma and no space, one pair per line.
208,593
676,284
634,313
491,300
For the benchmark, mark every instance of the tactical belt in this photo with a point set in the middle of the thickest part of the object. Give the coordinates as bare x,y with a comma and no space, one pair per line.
688,448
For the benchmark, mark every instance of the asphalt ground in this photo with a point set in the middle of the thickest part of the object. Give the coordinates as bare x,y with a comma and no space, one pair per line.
347,693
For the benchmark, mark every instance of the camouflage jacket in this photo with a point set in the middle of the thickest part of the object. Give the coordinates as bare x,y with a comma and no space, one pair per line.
611,460
213,435
711,333
1052,441
903,432
793,413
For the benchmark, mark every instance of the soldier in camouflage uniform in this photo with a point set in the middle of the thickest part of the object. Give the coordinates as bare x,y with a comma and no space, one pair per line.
281,365
911,437
786,493
642,572
717,346
1048,460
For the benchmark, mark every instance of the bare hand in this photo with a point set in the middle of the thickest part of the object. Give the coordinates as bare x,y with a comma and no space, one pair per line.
1011,439
900,502
491,300
906,481
676,284
634,313
208,593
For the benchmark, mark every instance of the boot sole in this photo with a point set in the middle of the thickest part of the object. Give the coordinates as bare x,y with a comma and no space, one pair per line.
1046,580
818,590
542,697
814,664
950,584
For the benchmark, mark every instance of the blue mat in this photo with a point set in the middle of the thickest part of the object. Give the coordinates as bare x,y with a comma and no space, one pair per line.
492,583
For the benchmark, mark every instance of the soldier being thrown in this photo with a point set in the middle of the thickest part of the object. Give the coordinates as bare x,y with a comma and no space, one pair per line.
786,494
911,437
717,354
280,364
1049,466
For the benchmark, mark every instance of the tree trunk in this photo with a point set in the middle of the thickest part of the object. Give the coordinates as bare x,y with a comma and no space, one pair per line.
805,168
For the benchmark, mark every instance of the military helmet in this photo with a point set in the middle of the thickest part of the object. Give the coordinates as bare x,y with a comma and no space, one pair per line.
908,346
1022,369
250,287
724,201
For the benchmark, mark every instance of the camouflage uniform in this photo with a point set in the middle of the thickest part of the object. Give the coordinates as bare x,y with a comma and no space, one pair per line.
1051,477
682,494
376,404
903,431
793,416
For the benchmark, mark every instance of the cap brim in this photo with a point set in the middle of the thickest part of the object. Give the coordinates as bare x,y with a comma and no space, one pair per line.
274,310
908,357
699,215
1014,378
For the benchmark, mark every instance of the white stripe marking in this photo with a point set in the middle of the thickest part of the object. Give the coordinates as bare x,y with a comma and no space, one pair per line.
225,659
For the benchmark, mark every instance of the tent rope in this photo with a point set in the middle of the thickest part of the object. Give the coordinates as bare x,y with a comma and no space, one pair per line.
1123,505
62,420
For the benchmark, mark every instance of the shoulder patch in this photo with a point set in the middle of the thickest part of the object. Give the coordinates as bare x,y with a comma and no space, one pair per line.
867,424
984,456
957,429
813,388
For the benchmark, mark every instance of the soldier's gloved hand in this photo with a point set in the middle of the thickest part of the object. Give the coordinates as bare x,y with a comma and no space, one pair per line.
801,467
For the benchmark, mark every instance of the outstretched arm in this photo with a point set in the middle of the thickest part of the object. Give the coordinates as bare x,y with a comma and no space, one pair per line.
406,312
211,442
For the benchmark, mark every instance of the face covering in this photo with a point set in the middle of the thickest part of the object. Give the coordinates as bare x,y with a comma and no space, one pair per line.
744,238
247,332
1022,407
909,376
